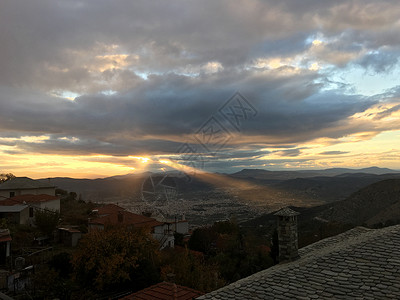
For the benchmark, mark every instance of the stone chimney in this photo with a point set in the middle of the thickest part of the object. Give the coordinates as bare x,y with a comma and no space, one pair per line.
287,234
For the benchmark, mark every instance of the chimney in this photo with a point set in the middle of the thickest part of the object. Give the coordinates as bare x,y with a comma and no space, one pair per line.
287,234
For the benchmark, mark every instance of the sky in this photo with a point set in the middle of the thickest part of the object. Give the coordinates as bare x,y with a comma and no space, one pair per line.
98,88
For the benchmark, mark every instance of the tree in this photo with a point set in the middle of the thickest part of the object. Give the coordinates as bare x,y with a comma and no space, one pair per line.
115,256
47,220
6,176
191,270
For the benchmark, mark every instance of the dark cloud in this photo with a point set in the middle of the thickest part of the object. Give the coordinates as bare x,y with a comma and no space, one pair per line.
387,112
379,61
147,75
333,152
289,152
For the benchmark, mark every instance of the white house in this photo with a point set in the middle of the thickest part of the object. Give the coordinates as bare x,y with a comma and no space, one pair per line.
21,209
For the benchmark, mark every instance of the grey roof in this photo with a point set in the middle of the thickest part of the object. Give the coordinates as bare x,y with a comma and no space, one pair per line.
286,212
358,264
24,183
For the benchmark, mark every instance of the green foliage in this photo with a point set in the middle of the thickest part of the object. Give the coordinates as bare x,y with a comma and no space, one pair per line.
73,195
4,223
61,192
191,270
62,264
47,220
114,257
50,285
202,239
236,254
75,212
178,239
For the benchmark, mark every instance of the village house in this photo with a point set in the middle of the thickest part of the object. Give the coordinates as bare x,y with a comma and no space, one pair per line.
361,263
112,214
20,197
21,209
14,213
68,236
25,186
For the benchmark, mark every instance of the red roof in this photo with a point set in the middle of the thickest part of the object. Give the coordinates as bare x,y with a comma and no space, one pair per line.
27,199
5,235
108,209
5,239
164,291
112,214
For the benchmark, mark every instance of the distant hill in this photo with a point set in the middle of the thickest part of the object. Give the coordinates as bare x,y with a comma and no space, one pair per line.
285,175
271,187
333,188
374,204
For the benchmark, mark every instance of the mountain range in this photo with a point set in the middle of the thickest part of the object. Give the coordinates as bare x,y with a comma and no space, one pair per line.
301,188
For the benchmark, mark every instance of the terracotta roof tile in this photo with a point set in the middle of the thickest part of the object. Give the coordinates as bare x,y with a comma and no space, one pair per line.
112,214
108,209
26,199
164,291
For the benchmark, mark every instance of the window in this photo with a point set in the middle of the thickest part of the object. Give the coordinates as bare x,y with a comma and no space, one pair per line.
12,194
30,212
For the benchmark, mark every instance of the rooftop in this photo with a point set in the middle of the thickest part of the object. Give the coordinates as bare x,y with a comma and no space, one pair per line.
108,209
23,183
358,264
164,291
26,199
112,214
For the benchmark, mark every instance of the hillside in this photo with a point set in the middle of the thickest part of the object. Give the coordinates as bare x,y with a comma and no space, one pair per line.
374,204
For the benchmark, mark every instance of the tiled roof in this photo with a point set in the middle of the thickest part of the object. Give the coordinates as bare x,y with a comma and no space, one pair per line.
112,214
108,209
26,199
358,264
24,183
164,291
